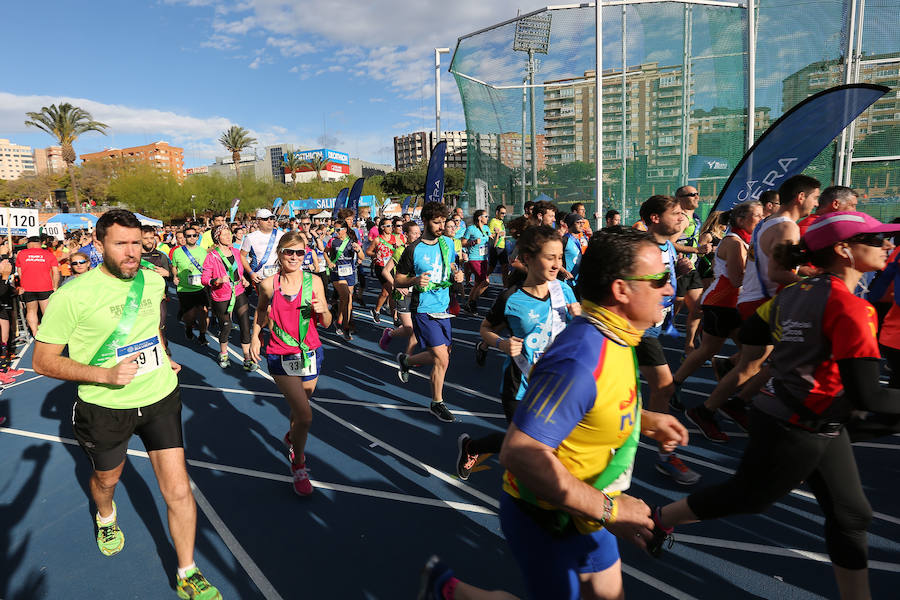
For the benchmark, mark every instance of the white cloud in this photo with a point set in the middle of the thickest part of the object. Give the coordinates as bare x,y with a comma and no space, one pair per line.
234,27
290,47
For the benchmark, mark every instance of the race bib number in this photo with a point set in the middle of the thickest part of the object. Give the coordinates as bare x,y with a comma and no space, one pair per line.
150,355
194,280
269,270
345,270
293,364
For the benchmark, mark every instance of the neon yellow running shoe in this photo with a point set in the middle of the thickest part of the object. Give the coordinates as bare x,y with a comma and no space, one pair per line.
196,587
110,538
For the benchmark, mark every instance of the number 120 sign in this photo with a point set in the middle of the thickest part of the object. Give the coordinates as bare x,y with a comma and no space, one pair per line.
21,221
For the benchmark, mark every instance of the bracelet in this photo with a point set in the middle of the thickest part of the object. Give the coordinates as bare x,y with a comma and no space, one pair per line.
610,510
497,343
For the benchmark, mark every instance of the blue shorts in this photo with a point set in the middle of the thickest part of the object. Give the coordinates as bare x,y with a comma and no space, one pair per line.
349,279
431,332
550,565
275,367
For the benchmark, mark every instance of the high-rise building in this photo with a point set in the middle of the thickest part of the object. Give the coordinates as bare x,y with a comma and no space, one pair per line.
15,160
413,148
159,154
49,160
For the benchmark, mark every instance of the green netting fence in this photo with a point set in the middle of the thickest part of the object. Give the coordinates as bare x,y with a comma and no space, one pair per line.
675,98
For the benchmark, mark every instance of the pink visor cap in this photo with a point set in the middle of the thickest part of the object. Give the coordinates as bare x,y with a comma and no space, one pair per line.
838,226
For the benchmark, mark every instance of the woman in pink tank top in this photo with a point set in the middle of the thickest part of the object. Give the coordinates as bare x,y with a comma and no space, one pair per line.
292,303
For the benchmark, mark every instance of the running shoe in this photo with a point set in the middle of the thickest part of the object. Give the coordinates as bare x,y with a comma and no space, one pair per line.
435,574
480,354
14,372
677,470
440,410
472,309
201,339
721,365
376,318
662,536
188,333
346,333
736,410
224,361
250,366
194,586
289,445
705,420
464,460
403,370
6,378
675,402
385,340
302,484
110,538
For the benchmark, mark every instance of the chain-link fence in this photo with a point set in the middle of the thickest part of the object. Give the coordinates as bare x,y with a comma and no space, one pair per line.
676,96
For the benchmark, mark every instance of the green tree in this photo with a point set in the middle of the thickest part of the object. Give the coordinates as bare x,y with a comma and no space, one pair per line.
291,164
316,163
236,139
66,122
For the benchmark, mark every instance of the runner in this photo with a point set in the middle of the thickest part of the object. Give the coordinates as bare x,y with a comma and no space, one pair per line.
664,218
690,284
292,304
497,249
402,296
380,252
193,299
258,251
825,367
345,254
476,239
575,243
7,323
38,273
563,504
206,240
223,273
533,314
428,265
109,320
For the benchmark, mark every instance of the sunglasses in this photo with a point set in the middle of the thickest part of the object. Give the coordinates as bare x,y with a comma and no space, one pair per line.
869,239
657,280
269,219
79,262
191,235
306,223
293,252
689,195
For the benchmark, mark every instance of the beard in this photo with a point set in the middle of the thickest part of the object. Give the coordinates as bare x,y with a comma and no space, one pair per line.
119,273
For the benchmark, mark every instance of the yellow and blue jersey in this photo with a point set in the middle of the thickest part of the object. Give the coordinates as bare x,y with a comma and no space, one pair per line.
582,400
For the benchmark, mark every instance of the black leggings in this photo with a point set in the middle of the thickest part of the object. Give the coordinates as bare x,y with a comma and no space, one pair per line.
240,313
780,457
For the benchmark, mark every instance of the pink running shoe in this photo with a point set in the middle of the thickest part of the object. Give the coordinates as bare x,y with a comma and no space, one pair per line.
385,340
289,446
302,484
14,372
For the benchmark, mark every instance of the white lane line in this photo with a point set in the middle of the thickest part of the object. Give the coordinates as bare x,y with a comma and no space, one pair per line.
395,451
795,492
393,365
656,583
241,555
777,551
345,401
337,487
12,385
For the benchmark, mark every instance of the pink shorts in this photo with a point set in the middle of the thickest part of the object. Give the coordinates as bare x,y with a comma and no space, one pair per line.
479,268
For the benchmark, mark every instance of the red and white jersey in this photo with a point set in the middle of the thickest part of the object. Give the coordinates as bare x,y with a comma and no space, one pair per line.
722,292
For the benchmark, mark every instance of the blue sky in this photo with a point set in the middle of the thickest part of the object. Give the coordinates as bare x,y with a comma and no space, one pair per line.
348,75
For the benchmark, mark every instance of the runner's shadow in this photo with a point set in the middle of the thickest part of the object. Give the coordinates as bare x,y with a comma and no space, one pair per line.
11,515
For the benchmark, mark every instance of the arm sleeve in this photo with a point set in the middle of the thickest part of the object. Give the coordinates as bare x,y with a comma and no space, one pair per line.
861,388
406,265
557,399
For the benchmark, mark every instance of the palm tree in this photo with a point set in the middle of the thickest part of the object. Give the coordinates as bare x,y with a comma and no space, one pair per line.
236,139
316,163
291,164
65,122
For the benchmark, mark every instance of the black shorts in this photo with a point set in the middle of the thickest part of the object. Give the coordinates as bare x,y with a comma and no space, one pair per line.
380,275
689,281
497,256
720,321
103,433
35,296
189,300
650,352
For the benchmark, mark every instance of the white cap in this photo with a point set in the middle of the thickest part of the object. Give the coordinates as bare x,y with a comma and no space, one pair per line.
263,213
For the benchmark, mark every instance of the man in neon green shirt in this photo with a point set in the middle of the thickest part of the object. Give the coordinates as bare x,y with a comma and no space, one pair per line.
206,242
193,300
110,320
497,250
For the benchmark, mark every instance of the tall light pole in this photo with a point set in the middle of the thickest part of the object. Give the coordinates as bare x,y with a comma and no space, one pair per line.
437,91
532,36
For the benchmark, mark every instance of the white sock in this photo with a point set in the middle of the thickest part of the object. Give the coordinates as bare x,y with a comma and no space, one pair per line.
107,520
182,573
